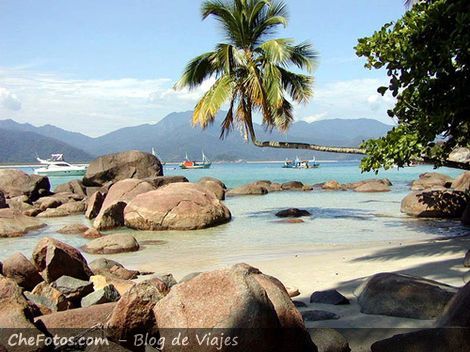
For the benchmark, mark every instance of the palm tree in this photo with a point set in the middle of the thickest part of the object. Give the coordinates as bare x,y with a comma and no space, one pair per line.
251,71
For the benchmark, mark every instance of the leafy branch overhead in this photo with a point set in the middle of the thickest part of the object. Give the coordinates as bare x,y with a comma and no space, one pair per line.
427,58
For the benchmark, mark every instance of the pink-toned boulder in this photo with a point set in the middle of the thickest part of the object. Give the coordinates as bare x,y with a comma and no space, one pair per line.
18,268
252,189
214,187
374,181
119,195
111,244
292,186
373,186
446,204
332,185
133,312
73,229
55,259
119,166
431,180
74,186
48,297
177,206
240,299
15,183
81,318
14,224
70,208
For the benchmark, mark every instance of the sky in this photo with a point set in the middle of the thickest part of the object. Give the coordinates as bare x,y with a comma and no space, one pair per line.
96,66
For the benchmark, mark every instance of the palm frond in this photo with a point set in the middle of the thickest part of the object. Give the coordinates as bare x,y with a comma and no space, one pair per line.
197,70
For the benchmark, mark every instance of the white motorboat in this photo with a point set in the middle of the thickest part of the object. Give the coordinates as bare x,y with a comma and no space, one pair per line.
57,166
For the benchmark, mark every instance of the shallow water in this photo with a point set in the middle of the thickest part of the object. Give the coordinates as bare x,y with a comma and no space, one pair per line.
338,218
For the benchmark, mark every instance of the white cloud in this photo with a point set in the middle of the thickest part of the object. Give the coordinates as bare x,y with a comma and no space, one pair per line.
347,99
8,100
93,107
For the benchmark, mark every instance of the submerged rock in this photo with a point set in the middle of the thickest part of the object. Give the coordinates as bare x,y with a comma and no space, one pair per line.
119,166
110,244
177,206
403,296
373,186
14,224
248,190
292,186
435,204
292,213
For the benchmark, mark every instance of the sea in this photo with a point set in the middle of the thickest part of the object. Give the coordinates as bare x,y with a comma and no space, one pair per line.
339,218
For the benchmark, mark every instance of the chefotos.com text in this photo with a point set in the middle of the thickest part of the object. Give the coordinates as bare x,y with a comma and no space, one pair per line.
19,339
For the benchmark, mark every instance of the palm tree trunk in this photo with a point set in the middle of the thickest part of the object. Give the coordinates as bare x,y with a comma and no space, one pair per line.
307,146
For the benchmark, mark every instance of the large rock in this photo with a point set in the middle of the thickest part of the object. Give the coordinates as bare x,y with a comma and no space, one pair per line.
466,261
119,166
466,215
74,186
212,179
434,204
462,183
403,296
251,189
160,181
94,205
177,206
428,340
103,264
15,224
81,318
133,313
15,183
16,314
457,312
241,301
121,192
431,180
110,244
70,208
18,268
56,259
214,187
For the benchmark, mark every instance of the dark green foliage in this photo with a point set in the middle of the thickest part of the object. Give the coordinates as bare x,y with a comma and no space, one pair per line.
426,55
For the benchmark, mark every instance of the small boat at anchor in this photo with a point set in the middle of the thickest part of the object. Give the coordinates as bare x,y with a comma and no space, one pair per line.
301,164
57,166
190,164
154,153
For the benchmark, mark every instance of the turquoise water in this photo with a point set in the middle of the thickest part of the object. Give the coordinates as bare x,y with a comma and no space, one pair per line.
338,218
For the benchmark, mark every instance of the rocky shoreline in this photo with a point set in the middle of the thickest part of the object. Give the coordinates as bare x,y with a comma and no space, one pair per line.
57,288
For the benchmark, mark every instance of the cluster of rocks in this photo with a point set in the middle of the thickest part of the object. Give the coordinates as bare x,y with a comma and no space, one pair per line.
58,289
372,185
118,189
436,195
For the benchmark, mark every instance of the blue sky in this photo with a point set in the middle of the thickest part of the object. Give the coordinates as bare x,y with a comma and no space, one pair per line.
95,66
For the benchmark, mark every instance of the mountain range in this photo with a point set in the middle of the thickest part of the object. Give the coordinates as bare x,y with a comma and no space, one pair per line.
173,137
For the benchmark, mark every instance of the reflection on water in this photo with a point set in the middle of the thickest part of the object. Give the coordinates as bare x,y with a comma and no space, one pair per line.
339,218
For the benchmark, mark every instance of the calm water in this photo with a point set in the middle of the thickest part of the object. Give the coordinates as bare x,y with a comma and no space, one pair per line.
337,218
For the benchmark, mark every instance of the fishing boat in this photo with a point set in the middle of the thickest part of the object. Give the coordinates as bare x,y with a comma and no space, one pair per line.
190,164
301,164
57,166
154,153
